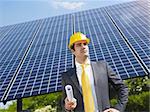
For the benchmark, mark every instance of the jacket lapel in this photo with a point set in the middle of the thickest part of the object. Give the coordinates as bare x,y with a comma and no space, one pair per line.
96,83
94,74
75,79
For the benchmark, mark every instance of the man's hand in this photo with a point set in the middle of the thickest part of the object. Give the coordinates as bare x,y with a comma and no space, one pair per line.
111,110
70,105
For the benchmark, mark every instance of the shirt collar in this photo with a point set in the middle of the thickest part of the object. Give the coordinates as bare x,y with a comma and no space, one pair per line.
79,65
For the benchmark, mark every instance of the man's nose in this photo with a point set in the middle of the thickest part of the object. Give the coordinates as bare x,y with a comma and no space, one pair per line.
82,45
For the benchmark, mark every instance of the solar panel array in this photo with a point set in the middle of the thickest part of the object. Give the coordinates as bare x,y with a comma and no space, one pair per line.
134,24
34,54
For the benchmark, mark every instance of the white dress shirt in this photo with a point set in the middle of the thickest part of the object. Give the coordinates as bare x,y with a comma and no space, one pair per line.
89,72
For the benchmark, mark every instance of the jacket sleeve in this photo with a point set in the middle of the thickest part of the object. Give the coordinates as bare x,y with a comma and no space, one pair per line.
120,88
63,92
63,82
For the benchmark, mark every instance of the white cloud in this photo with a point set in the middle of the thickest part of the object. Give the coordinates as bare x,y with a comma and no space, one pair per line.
68,5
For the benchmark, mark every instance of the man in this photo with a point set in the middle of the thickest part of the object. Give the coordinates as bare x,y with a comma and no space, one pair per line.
90,81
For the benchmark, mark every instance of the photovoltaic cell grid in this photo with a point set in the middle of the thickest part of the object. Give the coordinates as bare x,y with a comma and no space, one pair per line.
135,25
4,31
47,58
44,55
13,46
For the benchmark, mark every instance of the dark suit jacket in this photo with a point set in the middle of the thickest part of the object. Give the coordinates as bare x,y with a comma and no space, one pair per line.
103,77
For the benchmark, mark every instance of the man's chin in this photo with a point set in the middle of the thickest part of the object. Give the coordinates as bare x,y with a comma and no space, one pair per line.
86,55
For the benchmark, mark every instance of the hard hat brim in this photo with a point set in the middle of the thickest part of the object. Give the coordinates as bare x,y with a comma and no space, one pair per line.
87,40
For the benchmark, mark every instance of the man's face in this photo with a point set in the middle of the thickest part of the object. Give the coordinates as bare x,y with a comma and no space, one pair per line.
81,49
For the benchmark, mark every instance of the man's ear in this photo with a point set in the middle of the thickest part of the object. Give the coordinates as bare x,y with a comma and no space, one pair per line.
72,51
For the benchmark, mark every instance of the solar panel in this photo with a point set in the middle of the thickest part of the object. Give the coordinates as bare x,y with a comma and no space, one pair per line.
34,54
13,46
4,31
134,24
45,60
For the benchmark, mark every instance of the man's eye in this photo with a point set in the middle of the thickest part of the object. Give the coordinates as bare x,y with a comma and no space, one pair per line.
81,44
78,45
85,43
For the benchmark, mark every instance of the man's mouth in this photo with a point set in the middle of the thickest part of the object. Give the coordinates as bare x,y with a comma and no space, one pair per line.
83,51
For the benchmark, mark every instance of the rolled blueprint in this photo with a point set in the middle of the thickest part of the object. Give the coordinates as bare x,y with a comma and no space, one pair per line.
69,92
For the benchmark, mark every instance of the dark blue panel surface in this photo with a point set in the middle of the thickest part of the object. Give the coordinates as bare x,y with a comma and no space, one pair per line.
46,60
134,24
12,49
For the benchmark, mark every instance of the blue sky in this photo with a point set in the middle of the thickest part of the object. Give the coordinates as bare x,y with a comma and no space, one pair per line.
17,11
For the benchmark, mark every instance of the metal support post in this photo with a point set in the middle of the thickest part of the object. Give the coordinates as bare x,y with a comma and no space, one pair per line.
19,105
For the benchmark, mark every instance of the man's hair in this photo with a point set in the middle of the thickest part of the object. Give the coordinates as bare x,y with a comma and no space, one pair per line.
72,47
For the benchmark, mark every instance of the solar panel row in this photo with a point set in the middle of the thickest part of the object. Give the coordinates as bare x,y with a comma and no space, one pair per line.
34,54
13,47
135,27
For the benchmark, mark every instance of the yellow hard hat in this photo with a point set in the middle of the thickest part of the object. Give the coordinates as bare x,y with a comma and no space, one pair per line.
77,37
